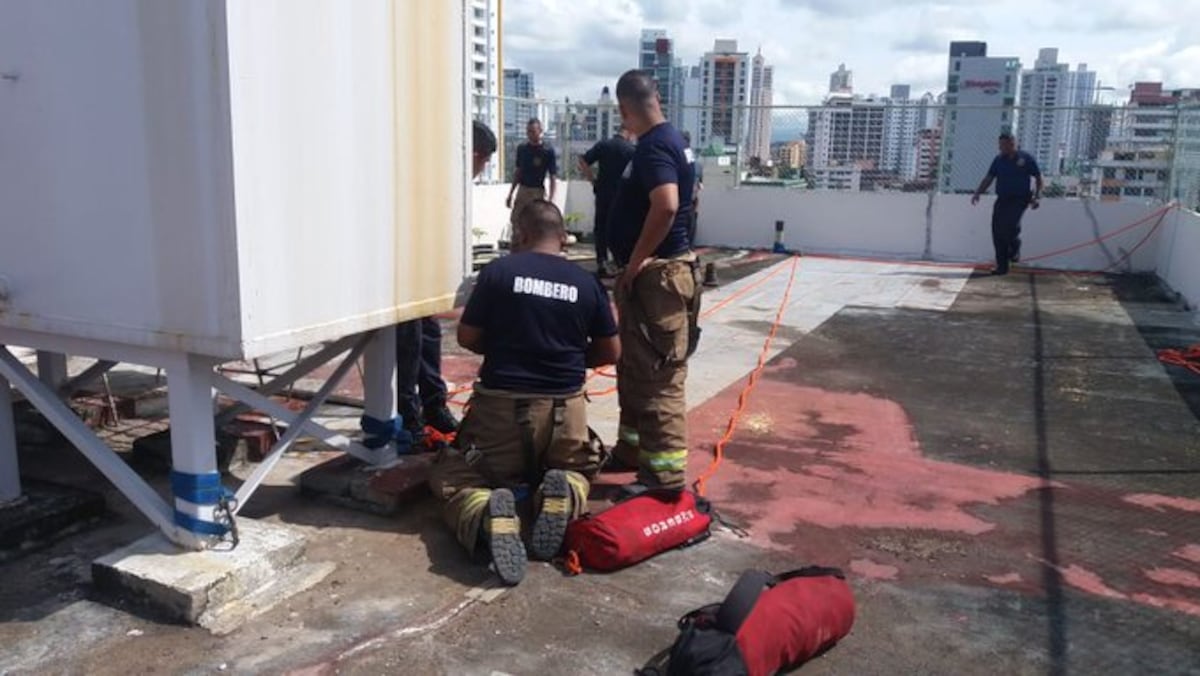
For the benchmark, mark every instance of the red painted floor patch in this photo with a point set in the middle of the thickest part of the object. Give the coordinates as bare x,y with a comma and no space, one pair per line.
1188,553
874,571
847,460
1163,502
1174,577
1011,578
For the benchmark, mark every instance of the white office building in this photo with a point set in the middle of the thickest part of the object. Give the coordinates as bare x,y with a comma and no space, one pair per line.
841,81
519,101
901,123
484,62
693,93
761,75
980,99
1052,111
848,131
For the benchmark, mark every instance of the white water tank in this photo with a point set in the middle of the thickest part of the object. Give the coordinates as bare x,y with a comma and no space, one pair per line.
229,178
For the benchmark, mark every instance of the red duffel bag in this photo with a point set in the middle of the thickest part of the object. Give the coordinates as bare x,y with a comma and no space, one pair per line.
636,529
766,624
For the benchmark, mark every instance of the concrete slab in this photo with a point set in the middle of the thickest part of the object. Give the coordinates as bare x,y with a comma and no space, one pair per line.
347,482
217,589
44,513
1009,481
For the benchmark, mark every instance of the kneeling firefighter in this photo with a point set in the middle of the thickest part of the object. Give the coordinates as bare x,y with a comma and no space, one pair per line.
539,321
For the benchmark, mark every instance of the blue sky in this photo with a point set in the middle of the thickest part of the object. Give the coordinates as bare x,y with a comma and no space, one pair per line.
575,47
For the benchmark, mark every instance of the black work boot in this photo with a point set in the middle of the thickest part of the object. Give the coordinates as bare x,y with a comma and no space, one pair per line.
503,530
553,516
441,419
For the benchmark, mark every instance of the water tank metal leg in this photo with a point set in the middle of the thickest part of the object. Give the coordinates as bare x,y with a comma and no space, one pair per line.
379,375
52,369
195,479
10,477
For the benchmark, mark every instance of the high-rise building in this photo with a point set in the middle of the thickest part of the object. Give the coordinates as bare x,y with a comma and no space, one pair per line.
761,76
693,94
1141,154
848,131
484,64
678,94
901,125
519,105
841,81
1052,102
793,154
927,148
980,96
656,55
724,74
603,120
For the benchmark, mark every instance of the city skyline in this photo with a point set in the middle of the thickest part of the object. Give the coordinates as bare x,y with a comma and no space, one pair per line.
805,40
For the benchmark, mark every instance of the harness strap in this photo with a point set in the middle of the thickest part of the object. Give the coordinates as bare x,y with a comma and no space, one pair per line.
740,600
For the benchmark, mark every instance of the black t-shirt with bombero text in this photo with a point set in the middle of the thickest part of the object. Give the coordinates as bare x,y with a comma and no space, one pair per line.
661,157
537,312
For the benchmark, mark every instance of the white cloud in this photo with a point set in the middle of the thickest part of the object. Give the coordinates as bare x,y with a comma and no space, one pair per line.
575,47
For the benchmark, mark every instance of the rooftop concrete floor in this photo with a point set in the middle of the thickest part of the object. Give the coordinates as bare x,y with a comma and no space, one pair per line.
1008,474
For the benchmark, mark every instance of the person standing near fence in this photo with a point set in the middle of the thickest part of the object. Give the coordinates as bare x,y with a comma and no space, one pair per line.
658,293
535,161
1011,170
612,155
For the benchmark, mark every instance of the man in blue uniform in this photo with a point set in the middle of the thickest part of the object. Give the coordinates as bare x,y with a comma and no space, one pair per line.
535,161
658,293
1011,170
539,321
612,155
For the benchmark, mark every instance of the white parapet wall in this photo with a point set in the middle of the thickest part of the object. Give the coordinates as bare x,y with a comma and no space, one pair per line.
1179,254
489,215
908,225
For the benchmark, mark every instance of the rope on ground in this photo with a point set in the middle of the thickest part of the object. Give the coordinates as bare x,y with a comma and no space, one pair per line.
1188,357
751,381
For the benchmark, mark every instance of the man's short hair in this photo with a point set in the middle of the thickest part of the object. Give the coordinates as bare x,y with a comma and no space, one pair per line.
532,121
1006,136
687,137
540,219
483,141
637,87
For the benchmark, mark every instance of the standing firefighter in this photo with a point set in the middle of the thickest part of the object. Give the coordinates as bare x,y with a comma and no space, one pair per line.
612,155
539,321
535,161
1011,170
658,294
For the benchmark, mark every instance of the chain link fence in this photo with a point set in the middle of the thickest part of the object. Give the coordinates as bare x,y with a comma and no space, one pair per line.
1103,152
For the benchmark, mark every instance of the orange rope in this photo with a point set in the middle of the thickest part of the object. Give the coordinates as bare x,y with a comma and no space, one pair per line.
741,292
1188,357
751,381
1141,221
572,564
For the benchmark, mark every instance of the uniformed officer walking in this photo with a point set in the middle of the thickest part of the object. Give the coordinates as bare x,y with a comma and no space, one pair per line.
658,294
539,321
1011,170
